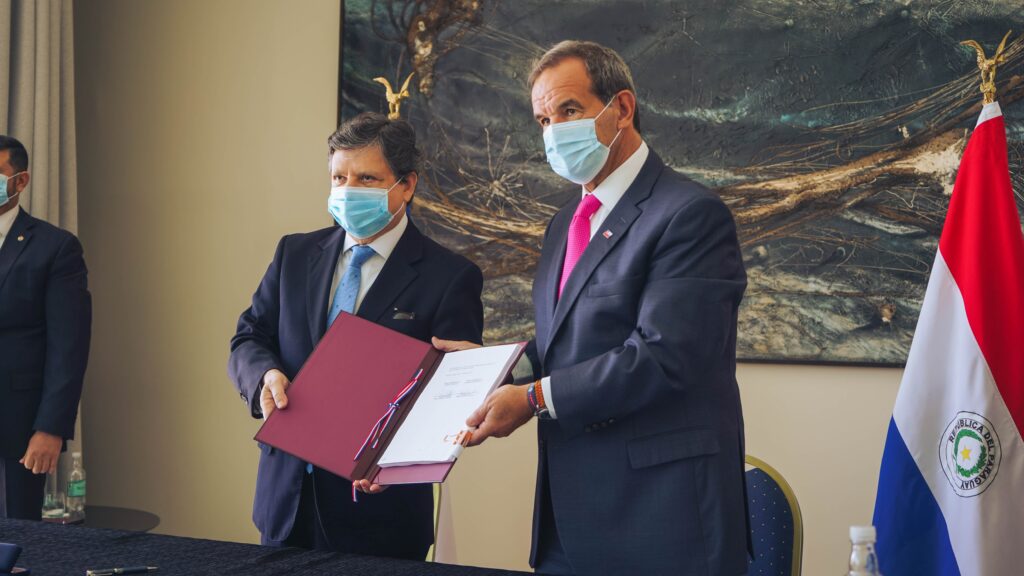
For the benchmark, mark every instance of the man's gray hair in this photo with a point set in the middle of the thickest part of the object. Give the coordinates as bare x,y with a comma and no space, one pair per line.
608,72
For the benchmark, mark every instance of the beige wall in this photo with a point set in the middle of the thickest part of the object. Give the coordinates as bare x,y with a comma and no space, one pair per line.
201,141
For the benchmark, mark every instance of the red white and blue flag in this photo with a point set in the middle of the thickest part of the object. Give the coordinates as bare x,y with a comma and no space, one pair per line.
951,488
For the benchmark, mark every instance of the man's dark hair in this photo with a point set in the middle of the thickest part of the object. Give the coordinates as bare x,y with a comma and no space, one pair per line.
396,139
608,72
19,156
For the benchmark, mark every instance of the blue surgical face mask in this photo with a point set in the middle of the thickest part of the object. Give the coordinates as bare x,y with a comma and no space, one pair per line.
573,150
4,197
362,212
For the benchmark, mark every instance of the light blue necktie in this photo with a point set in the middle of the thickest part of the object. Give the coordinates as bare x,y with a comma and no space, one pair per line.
348,290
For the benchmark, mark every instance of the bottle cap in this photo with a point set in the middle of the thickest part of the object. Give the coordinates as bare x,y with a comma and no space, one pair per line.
76,454
862,534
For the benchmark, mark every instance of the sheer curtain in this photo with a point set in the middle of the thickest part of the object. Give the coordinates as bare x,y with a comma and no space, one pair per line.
37,102
37,106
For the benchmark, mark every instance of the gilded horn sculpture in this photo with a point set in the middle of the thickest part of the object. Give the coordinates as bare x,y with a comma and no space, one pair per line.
395,99
988,66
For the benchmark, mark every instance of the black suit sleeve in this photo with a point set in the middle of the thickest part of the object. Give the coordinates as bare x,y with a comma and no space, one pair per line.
255,348
460,315
68,327
686,323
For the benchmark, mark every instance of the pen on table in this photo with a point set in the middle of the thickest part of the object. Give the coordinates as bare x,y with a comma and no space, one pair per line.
129,570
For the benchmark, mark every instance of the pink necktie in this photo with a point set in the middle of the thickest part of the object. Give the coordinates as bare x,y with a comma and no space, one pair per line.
579,236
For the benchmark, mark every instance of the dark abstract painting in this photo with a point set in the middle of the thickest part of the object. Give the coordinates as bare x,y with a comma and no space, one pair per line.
831,128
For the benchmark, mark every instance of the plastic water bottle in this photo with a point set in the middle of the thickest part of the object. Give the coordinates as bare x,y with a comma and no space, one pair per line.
76,489
863,560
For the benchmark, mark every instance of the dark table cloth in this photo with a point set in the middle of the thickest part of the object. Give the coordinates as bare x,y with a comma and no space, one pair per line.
55,550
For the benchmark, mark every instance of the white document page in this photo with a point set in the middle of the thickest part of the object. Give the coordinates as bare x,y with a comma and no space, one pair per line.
431,432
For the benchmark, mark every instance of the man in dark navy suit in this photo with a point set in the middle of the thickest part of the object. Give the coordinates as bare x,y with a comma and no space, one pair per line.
379,266
632,371
45,321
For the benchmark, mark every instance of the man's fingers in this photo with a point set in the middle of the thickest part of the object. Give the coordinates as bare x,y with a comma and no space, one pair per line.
443,345
483,432
280,398
477,417
367,487
452,345
266,402
273,394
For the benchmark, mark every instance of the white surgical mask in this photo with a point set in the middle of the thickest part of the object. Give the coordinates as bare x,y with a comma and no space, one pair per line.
4,197
573,150
362,212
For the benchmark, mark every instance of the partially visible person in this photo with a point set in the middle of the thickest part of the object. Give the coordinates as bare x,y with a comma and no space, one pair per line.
45,323
375,264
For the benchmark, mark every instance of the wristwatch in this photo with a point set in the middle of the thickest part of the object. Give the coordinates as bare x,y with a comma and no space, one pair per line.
535,395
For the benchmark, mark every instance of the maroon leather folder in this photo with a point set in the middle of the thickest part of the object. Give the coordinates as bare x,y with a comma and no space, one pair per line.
343,389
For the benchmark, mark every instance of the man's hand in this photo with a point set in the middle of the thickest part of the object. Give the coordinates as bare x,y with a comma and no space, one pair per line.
367,487
506,409
452,345
43,452
272,396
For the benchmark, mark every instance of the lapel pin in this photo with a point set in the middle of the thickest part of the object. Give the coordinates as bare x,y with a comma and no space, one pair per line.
21,238
607,234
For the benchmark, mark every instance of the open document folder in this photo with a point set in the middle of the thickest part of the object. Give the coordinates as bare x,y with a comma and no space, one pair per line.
376,404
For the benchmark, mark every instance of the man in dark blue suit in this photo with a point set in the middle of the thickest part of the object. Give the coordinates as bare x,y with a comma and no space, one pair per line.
45,321
632,371
379,266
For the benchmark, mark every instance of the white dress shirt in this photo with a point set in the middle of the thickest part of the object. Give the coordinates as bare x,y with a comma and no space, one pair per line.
6,222
609,192
382,247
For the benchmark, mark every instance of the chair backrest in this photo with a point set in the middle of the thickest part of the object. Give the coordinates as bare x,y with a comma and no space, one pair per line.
777,528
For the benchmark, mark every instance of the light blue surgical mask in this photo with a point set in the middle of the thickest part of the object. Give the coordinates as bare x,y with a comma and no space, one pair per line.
362,212
573,150
4,197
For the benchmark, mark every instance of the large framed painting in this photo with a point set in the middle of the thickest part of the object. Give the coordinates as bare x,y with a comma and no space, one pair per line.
831,128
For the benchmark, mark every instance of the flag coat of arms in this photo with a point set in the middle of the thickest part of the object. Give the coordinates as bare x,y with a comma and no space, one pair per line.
951,487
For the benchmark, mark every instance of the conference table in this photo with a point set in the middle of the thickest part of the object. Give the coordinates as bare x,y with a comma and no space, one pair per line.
56,550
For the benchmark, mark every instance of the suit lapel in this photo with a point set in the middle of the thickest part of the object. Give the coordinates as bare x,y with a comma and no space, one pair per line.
397,273
322,265
549,272
617,224
13,247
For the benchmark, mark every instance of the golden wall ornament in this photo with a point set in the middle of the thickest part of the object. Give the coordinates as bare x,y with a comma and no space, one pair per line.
988,66
395,100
